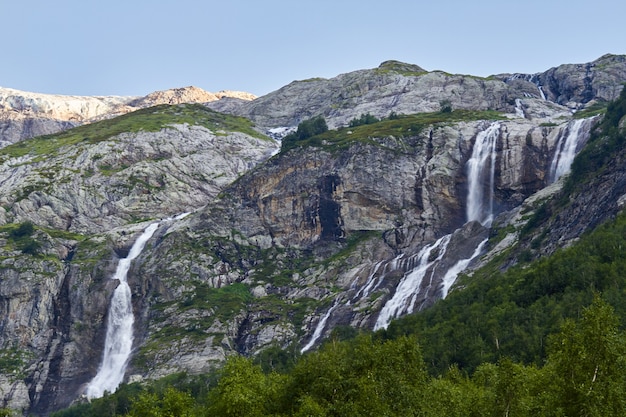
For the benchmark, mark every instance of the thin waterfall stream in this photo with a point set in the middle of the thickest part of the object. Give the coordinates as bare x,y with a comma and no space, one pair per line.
320,328
119,336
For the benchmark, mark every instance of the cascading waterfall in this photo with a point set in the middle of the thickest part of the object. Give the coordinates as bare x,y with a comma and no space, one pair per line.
481,182
481,168
535,80
119,337
565,150
403,300
371,284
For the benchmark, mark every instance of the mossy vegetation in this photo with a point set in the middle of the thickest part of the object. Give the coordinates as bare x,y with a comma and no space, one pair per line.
12,362
595,109
225,302
20,236
408,70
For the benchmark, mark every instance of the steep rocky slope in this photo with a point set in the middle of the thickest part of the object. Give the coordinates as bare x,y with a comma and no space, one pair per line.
349,228
93,179
25,115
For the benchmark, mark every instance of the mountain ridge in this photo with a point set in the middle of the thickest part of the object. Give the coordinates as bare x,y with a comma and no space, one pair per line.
24,114
391,87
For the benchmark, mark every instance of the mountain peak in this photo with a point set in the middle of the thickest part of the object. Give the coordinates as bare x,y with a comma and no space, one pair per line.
190,94
399,66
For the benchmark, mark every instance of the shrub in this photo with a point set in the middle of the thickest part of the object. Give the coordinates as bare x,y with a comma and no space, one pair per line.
445,106
365,119
306,129
23,230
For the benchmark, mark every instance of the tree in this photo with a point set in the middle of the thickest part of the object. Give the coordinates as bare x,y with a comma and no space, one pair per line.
24,229
587,361
173,403
361,377
243,390
365,119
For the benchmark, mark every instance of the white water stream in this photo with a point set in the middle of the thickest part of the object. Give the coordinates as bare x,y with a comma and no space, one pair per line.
481,169
404,298
535,80
565,151
459,267
119,337
320,328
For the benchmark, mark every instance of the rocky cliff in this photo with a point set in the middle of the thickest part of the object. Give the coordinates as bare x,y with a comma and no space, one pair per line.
94,184
353,227
574,85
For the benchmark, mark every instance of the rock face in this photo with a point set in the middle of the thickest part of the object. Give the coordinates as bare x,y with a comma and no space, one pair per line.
575,85
25,115
279,249
378,92
597,200
187,95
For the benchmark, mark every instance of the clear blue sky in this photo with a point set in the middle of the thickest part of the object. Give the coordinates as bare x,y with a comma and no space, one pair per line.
134,47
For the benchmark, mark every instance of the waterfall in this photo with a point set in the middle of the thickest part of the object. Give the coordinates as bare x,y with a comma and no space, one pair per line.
565,150
371,284
481,169
404,298
320,328
519,109
543,95
119,337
